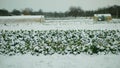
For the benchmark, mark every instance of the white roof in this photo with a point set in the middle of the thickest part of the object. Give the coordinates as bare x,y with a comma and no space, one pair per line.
102,14
22,17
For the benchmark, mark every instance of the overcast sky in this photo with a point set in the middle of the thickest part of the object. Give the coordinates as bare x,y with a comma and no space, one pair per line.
56,5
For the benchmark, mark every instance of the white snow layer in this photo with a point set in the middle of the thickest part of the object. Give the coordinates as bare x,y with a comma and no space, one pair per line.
60,61
88,24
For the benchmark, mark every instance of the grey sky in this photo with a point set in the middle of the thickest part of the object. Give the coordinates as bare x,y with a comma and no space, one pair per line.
56,5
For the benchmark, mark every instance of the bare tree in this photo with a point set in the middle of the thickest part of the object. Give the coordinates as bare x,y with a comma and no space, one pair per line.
27,11
75,11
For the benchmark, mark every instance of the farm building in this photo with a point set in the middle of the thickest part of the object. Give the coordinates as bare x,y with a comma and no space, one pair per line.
23,18
102,17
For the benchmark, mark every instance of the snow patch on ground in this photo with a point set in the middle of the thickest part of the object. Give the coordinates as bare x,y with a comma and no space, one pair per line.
60,61
81,24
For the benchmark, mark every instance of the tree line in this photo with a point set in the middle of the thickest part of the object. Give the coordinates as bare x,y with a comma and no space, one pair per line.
72,11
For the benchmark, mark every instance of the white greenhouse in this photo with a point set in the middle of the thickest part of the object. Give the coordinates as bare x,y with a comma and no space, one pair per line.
102,17
26,18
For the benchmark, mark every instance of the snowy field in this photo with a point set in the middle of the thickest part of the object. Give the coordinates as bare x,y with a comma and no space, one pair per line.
61,24
60,61
81,60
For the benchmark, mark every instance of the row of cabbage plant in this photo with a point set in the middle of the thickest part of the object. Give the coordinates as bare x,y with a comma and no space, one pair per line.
59,41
